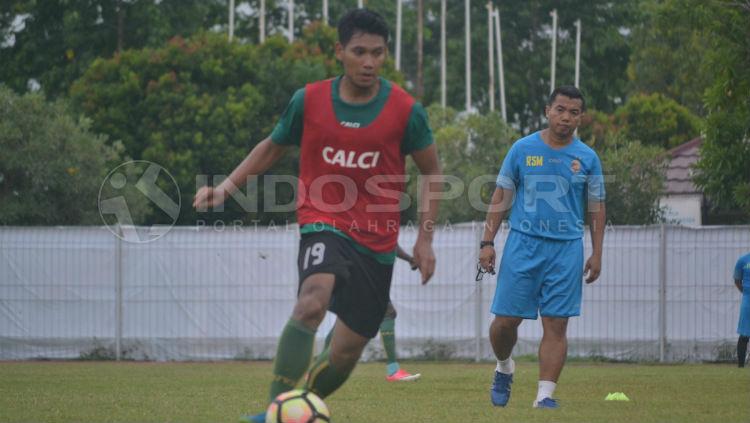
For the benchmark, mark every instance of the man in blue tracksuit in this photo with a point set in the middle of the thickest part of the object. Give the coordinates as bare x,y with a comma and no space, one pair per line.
553,177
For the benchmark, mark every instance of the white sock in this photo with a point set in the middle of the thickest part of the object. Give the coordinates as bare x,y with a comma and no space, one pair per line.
507,366
546,389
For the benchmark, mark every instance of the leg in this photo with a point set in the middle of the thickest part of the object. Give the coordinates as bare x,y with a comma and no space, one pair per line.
552,352
742,350
335,363
296,343
554,348
394,373
388,336
503,336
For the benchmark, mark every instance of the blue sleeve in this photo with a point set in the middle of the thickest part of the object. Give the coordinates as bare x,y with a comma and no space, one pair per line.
509,177
738,269
595,181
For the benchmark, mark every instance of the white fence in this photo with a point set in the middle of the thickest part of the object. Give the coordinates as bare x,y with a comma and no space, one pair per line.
665,293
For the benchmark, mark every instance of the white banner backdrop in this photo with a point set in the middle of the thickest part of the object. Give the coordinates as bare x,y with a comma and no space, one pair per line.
225,293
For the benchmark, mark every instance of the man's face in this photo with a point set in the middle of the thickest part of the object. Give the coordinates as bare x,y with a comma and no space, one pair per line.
564,115
362,57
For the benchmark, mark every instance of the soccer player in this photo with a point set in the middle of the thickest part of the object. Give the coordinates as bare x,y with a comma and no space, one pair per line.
353,132
552,175
394,372
742,282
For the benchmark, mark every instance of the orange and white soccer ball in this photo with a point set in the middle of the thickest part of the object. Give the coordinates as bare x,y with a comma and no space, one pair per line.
298,406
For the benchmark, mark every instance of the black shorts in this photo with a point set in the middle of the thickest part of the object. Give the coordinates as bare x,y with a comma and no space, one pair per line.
363,284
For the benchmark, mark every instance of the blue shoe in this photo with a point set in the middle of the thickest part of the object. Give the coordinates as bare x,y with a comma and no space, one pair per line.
500,390
257,418
546,403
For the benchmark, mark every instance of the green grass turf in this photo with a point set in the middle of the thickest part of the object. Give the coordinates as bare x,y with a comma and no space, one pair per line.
448,392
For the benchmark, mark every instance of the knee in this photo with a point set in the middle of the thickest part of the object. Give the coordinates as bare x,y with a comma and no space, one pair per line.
555,331
309,310
506,323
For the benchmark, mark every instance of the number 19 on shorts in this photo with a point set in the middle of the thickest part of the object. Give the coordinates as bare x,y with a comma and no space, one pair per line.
317,251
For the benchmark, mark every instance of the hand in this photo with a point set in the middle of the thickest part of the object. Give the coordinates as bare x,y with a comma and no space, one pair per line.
424,258
208,197
593,268
413,263
487,258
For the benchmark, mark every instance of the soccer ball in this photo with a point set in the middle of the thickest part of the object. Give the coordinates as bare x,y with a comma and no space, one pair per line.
298,406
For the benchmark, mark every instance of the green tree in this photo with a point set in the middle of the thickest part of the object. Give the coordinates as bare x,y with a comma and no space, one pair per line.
56,40
723,170
656,120
634,180
471,148
52,164
668,53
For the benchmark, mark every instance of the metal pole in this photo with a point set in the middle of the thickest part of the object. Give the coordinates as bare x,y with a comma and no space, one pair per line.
360,4
398,34
662,292
118,293
443,64
499,44
262,25
578,52
554,50
467,24
325,12
490,46
290,11
231,19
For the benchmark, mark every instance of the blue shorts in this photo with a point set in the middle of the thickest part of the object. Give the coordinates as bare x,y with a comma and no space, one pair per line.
743,326
539,276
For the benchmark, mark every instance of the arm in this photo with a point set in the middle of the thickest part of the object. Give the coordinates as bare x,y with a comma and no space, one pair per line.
427,162
598,216
259,160
738,284
498,209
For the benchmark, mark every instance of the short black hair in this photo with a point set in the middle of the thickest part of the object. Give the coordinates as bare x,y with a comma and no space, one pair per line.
361,20
568,91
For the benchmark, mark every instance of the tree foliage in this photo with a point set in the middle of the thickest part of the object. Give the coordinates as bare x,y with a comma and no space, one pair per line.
668,55
472,148
723,170
52,165
634,179
656,120
55,41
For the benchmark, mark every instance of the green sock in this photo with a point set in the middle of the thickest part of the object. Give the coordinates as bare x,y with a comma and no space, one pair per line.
325,379
388,335
292,357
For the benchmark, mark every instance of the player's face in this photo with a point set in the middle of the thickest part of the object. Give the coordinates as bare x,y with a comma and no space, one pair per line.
564,115
362,57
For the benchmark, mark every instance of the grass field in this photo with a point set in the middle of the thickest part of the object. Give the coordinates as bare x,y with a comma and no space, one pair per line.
448,392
